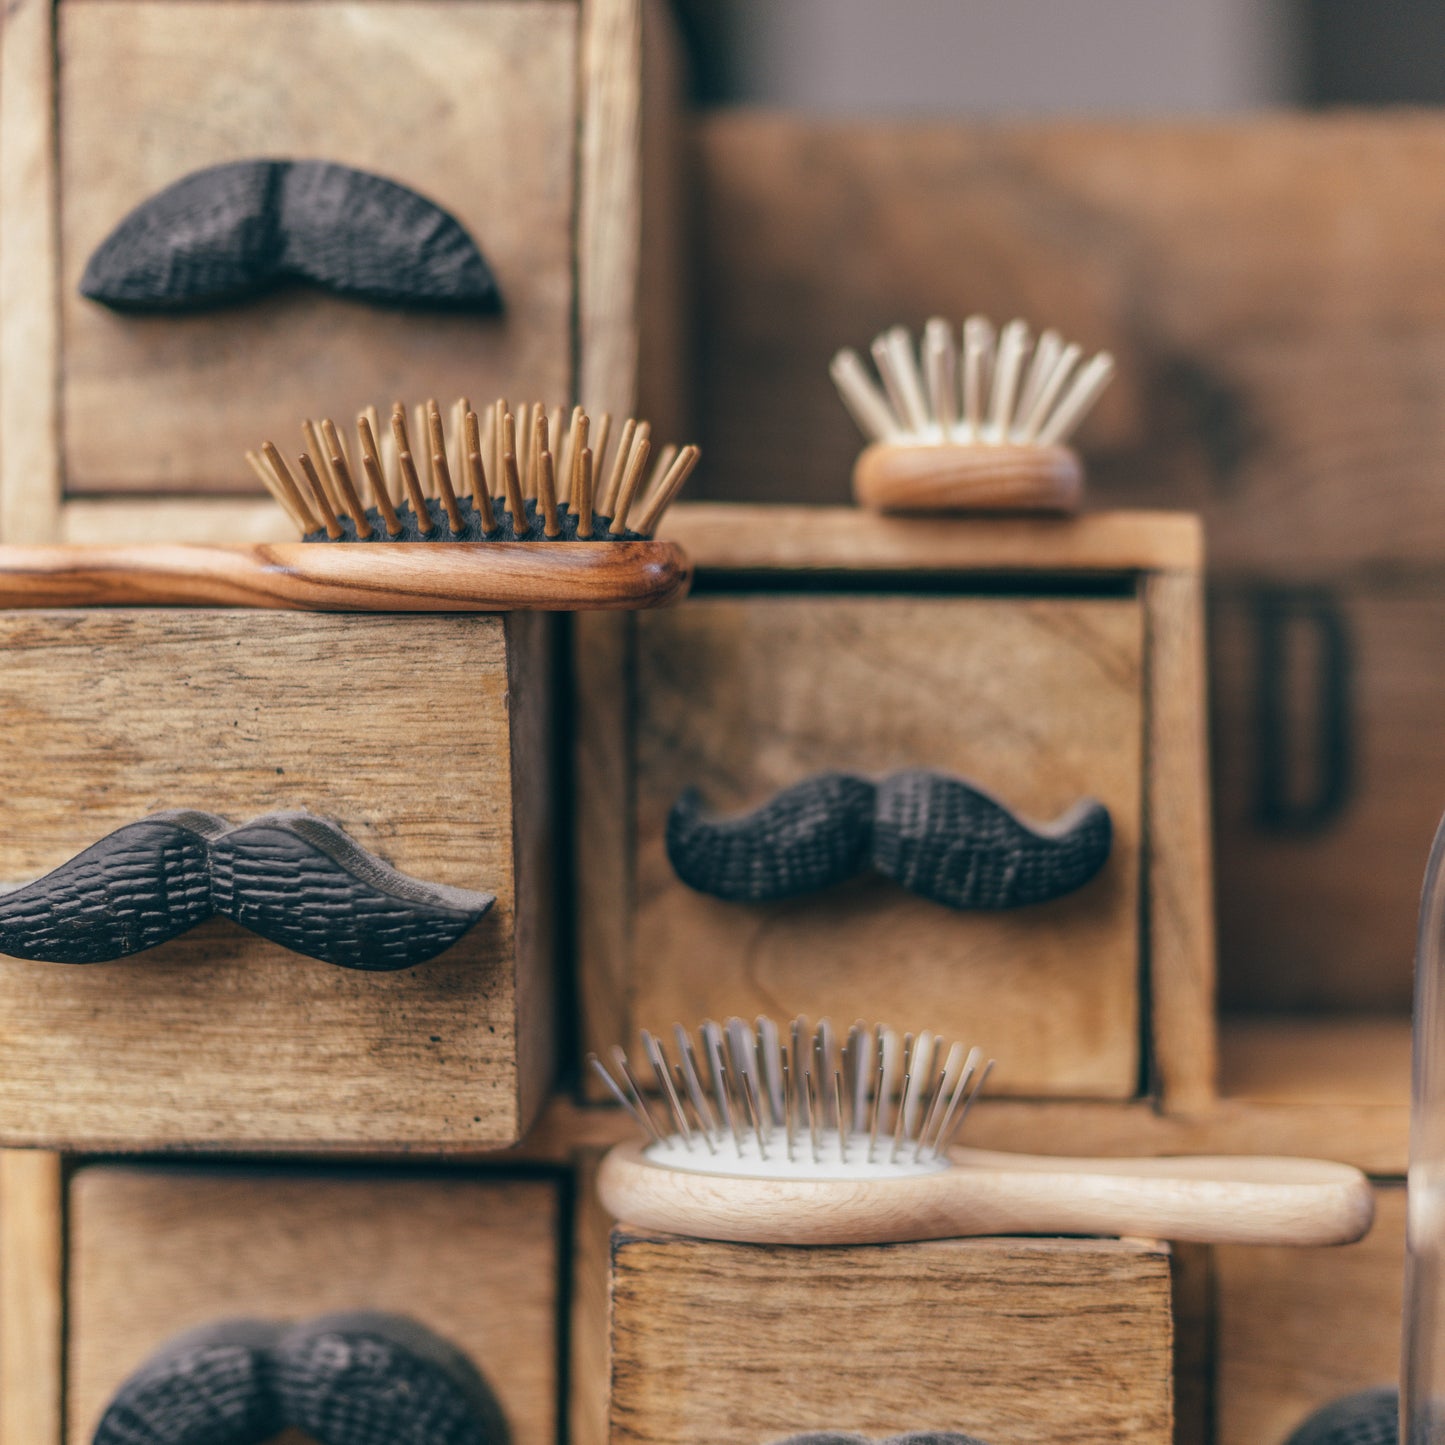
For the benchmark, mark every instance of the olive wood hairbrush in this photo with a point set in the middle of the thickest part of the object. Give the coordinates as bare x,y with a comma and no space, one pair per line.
799,1135
977,427
498,477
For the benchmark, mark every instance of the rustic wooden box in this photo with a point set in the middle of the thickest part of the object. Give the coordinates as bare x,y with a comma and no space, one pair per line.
1012,1340
532,121
154,1250
1297,1328
1046,661
425,737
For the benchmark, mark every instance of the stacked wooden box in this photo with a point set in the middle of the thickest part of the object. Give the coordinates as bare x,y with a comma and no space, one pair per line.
1045,660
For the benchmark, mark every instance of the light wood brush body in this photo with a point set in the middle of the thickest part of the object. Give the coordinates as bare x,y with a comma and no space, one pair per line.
981,426
758,1155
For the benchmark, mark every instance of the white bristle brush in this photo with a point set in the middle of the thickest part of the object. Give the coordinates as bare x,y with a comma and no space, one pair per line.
979,426
800,1135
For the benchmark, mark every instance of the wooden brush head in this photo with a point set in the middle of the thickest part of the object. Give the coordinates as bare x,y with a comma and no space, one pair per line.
497,476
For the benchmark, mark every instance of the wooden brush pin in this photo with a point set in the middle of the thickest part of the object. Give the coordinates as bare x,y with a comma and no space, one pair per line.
480,476
817,1141
984,429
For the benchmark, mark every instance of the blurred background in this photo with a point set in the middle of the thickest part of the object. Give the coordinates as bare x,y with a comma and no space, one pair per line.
1116,57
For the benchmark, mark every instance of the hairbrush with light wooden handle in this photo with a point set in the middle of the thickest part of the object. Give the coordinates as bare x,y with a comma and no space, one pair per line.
977,427
799,1135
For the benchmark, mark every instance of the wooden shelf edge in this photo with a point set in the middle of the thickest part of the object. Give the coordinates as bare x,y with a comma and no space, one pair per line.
729,537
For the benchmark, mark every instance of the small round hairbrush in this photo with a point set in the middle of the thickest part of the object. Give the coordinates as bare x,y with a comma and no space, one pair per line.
499,477
798,1135
983,427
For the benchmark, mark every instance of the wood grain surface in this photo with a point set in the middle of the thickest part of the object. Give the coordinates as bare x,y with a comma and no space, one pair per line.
356,577
958,480
155,1250
1012,1340
30,465
1279,339
208,81
1299,1328
32,1297
399,729
1038,700
752,539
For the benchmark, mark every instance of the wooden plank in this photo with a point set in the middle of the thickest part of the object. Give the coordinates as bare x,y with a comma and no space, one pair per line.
1065,1340
604,826
115,715
499,153
32,1298
348,577
1318,898
30,480
155,1251
609,205
1036,699
1178,849
1301,1327
750,539
1349,1059
123,521
590,1367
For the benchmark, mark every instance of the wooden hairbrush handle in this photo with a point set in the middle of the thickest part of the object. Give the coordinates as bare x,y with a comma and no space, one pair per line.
1207,1200
356,577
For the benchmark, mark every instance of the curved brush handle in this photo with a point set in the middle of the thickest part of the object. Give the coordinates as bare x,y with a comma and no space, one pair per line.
1203,1200
295,879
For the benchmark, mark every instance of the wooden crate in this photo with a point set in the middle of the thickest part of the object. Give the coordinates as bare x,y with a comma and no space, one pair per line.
1045,661
1012,1340
425,737
1278,334
524,118
155,1250
1297,1328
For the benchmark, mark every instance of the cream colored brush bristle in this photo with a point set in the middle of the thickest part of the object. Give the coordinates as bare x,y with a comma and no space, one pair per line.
991,390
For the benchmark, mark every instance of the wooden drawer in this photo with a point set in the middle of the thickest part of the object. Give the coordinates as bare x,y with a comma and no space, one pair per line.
519,117
154,1251
424,737
1298,1328
1011,1340
1043,688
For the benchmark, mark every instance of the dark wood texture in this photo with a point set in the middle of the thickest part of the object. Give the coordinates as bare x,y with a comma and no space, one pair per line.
355,577
1271,290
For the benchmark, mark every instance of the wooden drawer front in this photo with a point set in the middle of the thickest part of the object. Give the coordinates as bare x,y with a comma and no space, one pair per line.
1298,1328
470,102
154,1251
1011,1340
1038,700
401,729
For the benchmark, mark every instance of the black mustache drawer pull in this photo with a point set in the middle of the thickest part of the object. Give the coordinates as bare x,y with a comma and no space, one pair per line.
234,230
348,1379
940,837
295,879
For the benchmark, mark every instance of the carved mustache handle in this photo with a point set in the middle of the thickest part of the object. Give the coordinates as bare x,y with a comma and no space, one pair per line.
295,879
940,837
